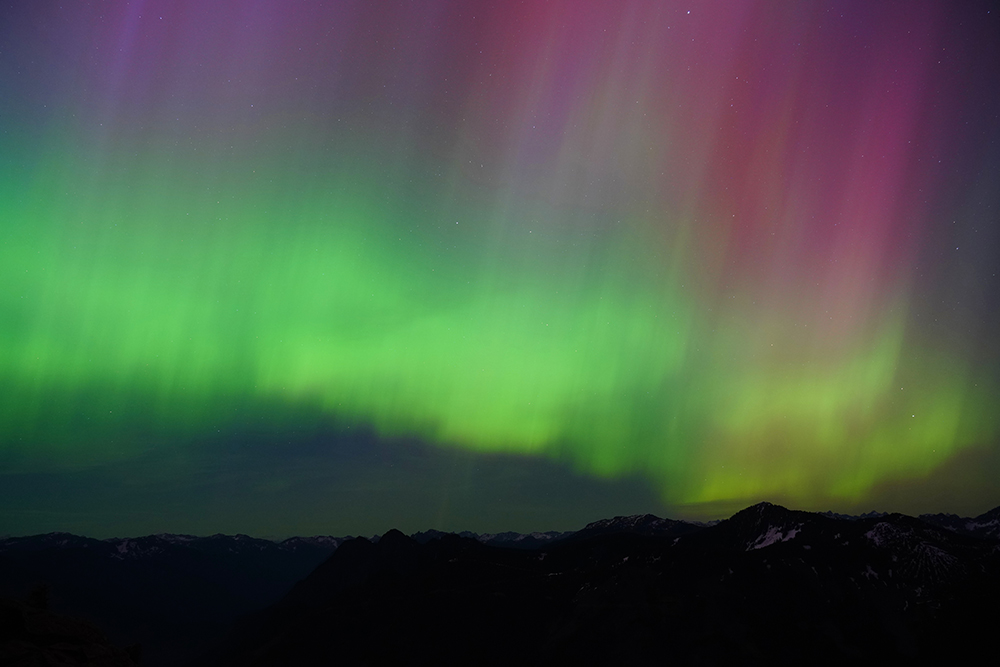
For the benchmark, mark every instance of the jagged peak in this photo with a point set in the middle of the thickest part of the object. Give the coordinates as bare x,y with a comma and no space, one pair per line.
393,535
760,509
764,504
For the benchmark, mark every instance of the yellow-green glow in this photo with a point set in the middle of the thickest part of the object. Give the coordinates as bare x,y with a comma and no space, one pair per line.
123,296
732,253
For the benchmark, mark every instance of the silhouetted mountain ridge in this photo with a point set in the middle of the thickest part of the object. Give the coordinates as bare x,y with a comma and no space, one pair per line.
985,525
768,585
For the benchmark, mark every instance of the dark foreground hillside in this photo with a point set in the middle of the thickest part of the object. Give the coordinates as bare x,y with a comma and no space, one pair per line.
173,595
31,635
768,586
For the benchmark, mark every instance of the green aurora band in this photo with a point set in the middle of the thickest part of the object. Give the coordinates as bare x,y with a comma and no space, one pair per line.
130,310
155,291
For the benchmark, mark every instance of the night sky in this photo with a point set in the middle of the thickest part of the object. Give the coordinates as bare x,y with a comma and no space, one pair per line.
333,267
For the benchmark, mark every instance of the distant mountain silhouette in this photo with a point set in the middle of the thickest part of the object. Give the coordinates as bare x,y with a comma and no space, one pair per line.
767,586
639,524
985,525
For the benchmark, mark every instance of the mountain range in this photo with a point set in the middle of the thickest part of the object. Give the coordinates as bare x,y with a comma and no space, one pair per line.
766,586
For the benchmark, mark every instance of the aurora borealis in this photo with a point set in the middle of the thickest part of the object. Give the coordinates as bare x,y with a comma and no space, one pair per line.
709,252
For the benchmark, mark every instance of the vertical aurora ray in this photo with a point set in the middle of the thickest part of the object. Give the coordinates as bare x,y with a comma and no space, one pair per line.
710,247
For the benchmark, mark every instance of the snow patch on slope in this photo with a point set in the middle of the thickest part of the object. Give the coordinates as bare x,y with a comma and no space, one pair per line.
774,535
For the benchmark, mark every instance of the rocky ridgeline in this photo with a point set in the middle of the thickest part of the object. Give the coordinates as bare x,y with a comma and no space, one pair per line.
766,586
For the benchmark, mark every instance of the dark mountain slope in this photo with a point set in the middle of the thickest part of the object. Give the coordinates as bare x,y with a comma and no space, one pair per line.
31,635
768,586
986,525
170,593
639,524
